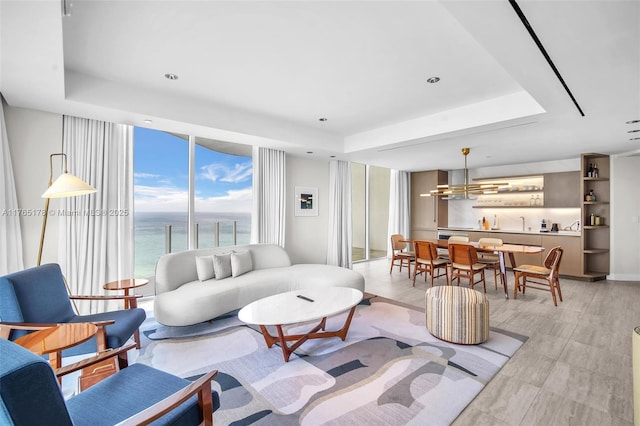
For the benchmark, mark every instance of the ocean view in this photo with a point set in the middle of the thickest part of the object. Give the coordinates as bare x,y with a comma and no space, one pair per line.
150,234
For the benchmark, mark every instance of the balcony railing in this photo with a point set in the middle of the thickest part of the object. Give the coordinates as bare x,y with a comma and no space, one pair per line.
216,235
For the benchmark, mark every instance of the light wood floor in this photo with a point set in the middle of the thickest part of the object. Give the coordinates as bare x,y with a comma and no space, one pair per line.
576,366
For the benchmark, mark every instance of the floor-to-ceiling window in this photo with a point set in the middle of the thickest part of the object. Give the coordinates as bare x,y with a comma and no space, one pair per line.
222,179
370,211
222,196
161,180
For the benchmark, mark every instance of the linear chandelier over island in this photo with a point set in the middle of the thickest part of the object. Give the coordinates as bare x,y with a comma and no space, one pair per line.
466,190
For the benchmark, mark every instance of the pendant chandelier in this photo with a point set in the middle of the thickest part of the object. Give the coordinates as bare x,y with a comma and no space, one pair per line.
465,190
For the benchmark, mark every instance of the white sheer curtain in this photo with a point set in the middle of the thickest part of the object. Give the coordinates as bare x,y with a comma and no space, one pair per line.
11,240
399,205
339,235
97,237
269,196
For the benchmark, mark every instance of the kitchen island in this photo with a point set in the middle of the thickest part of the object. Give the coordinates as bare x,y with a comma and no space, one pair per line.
569,240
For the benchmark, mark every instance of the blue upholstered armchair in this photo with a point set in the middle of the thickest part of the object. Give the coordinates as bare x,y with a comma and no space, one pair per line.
137,394
37,298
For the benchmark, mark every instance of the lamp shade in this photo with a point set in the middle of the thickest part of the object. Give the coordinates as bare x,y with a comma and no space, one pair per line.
68,185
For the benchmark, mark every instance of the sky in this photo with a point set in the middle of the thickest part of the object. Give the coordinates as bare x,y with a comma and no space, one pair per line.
223,182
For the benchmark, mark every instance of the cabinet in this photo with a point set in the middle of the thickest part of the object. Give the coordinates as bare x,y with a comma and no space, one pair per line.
571,259
562,189
427,213
595,238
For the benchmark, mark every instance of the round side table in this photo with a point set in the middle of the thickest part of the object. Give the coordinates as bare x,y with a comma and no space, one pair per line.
127,285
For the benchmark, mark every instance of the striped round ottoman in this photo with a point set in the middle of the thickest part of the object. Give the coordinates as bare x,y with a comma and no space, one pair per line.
457,314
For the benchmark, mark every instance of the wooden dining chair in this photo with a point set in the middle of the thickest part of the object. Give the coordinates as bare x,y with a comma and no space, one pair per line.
464,264
491,260
399,253
457,239
544,277
428,262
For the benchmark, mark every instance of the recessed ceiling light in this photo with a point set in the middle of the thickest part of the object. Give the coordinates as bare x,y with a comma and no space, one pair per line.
148,121
433,79
332,156
322,119
634,139
309,152
171,76
633,121
633,131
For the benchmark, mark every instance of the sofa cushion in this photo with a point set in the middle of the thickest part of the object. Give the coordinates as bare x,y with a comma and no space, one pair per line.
222,265
204,267
241,263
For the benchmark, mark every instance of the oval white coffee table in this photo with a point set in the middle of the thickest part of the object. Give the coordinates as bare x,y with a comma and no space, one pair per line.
300,306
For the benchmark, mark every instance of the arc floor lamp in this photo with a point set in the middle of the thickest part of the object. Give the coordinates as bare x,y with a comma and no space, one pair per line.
66,185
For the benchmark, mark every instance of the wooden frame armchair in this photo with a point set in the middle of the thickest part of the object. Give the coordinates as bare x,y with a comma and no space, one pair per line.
427,261
541,277
464,264
137,394
37,298
400,256
492,260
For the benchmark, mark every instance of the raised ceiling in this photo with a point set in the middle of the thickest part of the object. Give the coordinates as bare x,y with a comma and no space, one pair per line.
263,73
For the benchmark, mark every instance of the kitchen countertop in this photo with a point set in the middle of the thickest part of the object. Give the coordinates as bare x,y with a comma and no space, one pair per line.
512,231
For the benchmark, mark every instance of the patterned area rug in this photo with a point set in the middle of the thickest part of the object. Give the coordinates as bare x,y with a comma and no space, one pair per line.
389,370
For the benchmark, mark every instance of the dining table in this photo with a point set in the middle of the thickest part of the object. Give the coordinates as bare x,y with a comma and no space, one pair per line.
500,250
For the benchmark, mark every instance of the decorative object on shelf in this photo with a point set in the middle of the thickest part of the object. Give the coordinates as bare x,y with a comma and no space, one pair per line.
66,185
465,190
593,171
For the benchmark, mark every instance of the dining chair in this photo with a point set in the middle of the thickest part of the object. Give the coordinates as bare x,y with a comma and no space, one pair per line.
544,277
457,239
464,264
137,394
491,260
399,253
428,262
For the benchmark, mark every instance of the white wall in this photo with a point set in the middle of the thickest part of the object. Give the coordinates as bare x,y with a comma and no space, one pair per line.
306,236
33,136
625,212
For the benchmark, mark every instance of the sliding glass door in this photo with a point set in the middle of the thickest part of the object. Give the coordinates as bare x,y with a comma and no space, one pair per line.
370,211
223,193
219,185
160,166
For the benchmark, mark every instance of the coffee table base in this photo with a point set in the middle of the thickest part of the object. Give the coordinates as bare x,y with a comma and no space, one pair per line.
299,339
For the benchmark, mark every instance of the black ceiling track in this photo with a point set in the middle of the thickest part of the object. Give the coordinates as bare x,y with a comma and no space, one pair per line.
535,38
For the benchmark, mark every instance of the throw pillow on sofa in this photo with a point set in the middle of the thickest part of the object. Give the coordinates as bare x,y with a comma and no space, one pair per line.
222,265
204,267
241,263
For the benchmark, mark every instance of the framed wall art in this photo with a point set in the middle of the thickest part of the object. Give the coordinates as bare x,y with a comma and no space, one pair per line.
306,201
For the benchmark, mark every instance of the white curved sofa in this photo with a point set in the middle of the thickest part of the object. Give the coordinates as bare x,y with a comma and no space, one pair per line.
182,299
